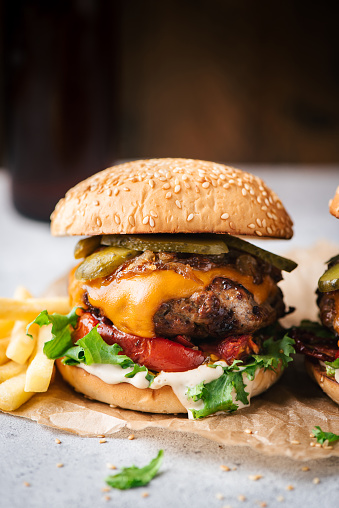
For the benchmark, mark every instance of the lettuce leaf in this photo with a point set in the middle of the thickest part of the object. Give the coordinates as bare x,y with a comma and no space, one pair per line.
218,395
133,476
331,367
61,331
322,436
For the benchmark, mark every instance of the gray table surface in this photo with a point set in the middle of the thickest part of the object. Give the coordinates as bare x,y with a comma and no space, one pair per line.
191,474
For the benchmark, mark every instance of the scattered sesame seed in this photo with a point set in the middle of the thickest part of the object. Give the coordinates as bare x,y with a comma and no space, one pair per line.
243,191
312,444
269,230
295,442
168,195
224,216
102,440
226,185
205,185
263,504
151,222
258,222
117,219
248,431
305,468
166,186
177,202
145,494
289,487
57,441
184,177
328,447
131,437
153,214
99,222
96,203
241,497
255,477
280,499
110,466
234,468
318,445
107,498
224,468
322,379
259,233
145,220
311,435
219,496
131,220
316,481
60,464
105,489
231,225
126,189
177,189
151,183
187,185
27,484
190,217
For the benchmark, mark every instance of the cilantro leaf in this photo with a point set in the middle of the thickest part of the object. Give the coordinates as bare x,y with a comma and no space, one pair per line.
93,349
61,331
133,476
322,436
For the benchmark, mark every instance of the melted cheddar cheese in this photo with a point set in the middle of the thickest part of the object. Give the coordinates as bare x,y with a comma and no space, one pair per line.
131,302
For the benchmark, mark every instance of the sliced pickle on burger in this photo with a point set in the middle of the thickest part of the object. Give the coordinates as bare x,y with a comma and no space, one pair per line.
191,244
330,280
103,262
86,246
278,261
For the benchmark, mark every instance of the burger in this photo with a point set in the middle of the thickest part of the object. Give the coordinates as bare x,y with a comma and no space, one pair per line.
320,342
172,311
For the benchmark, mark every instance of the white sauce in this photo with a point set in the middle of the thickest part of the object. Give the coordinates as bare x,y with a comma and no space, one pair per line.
178,381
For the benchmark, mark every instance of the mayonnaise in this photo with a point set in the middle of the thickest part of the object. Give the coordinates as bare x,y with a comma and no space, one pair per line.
178,381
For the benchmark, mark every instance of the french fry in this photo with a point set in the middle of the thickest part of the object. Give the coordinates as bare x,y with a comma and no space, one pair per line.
3,347
5,328
27,310
10,369
21,346
40,370
12,393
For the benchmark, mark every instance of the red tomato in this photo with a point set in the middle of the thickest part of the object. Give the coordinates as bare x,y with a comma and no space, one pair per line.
156,353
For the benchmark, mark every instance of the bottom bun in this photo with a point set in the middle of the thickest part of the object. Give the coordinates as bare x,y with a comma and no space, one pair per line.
126,396
326,383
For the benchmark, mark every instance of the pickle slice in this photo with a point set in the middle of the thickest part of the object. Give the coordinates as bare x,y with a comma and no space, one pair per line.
330,280
86,246
103,263
191,244
278,261
334,259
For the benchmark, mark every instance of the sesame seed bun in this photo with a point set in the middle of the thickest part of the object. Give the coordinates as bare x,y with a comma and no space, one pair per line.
334,204
126,396
326,383
171,196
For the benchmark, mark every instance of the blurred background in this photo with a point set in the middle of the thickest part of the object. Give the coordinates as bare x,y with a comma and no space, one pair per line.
86,83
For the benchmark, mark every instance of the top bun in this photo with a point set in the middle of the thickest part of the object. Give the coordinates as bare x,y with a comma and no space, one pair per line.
334,204
171,196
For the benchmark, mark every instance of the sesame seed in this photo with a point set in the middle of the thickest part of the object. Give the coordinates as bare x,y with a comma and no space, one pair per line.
131,437
126,189
241,497
259,233
258,222
184,177
264,223
231,180
289,487
60,464
117,219
58,441
205,185
177,189
145,219
151,183
316,481
131,220
264,193
187,185
166,186
27,484
176,181
295,442
116,192
255,477
107,498
305,468
96,203
267,202
251,226
226,185
109,192
243,191
312,444
168,195
224,216
231,225
153,213
111,466
178,203
103,440
145,494
259,199
327,447
247,187
219,496
280,499
224,468
318,445
156,174
151,222
98,221
190,217
105,489
248,431
234,468
264,208
263,504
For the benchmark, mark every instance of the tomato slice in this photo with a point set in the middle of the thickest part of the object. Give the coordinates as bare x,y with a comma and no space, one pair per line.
155,353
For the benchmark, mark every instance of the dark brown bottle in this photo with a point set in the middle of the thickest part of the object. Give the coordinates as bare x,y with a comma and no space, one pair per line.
60,96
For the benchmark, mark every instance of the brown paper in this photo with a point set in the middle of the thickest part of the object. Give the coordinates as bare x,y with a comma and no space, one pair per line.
281,419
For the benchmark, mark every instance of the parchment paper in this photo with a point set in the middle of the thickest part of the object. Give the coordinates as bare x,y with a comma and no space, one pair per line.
285,413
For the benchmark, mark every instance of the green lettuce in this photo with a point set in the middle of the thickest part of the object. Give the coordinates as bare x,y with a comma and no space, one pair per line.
133,476
331,367
218,394
322,436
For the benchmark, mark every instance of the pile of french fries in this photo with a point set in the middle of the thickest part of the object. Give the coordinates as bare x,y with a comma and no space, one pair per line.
24,369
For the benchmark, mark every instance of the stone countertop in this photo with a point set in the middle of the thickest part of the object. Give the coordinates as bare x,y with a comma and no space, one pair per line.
190,474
